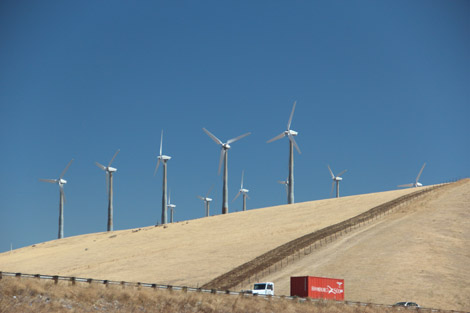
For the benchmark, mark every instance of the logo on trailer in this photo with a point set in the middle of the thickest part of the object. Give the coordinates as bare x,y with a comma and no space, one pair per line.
328,290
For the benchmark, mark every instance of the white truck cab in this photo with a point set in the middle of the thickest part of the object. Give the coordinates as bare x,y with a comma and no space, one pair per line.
264,289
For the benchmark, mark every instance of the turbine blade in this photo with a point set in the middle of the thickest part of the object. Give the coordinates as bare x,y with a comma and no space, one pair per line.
65,169
169,196
407,185
339,175
210,189
276,138
332,188
101,166
241,186
201,198
217,140
52,181
161,143
156,168
331,172
222,154
291,115
114,157
238,138
247,196
417,178
295,143
236,196
282,182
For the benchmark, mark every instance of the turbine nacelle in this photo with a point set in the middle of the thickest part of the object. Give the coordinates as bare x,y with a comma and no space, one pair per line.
60,181
244,190
224,145
336,179
108,168
291,132
416,183
161,157
164,157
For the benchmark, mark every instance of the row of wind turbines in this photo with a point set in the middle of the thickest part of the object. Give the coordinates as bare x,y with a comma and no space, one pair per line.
225,146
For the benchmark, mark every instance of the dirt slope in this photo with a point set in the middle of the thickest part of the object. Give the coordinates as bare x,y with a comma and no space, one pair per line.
420,253
187,253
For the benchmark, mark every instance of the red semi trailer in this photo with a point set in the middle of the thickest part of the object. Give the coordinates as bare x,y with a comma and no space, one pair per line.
317,287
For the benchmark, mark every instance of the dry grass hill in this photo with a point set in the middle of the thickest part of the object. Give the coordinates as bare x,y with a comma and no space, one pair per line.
419,252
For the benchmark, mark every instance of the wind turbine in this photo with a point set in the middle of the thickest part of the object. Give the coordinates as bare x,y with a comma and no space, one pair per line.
206,200
336,179
416,183
244,192
224,155
109,186
171,206
163,158
290,134
286,184
61,182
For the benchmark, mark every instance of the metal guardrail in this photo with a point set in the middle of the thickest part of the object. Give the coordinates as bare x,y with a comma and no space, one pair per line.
74,280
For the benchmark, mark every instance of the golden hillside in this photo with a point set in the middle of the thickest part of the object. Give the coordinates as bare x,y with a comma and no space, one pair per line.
419,253
194,252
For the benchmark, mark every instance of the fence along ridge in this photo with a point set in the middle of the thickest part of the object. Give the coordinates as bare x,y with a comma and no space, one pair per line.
268,261
154,286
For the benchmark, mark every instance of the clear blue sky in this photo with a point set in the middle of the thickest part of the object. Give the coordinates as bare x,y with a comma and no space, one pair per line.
381,87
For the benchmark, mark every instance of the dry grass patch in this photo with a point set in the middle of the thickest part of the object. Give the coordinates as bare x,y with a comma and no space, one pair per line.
28,295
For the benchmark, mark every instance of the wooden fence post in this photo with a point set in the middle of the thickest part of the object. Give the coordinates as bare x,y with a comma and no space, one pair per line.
55,279
72,279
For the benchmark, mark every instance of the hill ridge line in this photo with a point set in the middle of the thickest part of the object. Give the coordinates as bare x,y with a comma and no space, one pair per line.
259,264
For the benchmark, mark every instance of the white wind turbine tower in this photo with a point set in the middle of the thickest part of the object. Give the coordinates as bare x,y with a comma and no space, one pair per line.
290,134
336,179
416,183
171,206
244,192
163,158
207,201
61,182
109,186
224,155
